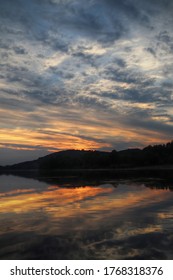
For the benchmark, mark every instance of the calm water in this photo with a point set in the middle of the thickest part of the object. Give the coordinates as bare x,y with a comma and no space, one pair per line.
119,219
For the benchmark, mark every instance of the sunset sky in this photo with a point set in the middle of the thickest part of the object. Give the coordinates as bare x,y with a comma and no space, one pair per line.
77,74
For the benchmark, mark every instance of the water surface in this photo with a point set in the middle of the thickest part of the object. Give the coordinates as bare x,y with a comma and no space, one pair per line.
112,219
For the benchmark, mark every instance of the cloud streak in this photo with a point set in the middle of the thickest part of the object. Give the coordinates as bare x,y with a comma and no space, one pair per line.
93,74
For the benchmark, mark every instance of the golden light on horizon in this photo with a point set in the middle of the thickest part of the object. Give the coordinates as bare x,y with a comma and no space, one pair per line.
88,129
59,139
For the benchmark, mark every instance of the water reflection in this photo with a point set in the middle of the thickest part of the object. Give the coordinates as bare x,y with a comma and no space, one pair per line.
110,220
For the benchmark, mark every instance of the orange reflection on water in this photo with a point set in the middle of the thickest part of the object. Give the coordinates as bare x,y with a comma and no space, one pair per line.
57,197
76,208
54,197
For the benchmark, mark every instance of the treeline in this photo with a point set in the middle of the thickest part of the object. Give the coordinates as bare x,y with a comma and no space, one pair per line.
81,159
158,154
75,159
149,156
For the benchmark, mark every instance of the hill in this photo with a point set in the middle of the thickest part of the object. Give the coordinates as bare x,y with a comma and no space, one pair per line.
82,159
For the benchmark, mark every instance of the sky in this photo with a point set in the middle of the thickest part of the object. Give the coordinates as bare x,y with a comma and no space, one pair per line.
78,74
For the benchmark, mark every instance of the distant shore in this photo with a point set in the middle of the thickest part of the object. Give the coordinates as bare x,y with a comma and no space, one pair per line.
156,167
164,172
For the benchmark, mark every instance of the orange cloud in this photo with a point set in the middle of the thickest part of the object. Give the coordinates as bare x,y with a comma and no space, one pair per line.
57,130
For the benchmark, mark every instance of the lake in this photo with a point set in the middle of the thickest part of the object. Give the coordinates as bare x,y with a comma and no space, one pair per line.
56,218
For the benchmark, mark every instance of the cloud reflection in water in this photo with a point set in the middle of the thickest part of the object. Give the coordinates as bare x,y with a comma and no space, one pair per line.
100,221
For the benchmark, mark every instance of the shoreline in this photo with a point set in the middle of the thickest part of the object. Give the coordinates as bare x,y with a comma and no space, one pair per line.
157,167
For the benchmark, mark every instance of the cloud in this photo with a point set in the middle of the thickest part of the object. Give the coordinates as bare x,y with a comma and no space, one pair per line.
19,50
88,66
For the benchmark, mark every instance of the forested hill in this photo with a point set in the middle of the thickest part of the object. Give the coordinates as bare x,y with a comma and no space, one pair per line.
81,159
